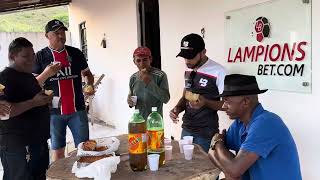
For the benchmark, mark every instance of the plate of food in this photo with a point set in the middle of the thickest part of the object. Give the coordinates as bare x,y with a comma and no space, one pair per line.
98,147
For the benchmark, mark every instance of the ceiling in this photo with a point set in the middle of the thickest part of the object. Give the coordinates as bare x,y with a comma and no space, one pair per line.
16,5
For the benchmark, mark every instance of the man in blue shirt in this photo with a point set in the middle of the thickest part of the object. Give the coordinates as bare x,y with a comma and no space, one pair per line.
263,144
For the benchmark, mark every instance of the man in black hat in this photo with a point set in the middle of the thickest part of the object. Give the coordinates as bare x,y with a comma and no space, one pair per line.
263,144
66,86
203,82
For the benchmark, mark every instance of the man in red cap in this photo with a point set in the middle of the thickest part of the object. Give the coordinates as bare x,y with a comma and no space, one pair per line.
148,86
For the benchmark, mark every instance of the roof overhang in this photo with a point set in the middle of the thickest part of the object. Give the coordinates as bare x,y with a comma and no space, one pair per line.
7,6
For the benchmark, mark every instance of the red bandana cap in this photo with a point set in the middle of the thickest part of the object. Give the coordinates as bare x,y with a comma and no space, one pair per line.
142,51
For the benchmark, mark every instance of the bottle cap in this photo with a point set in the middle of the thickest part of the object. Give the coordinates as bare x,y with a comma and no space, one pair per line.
154,109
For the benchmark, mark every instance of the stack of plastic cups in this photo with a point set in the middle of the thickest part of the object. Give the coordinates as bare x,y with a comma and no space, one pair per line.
182,142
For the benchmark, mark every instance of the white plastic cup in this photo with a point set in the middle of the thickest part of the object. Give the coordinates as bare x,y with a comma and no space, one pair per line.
168,152
182,142
153,161
5,117
134,100
188,151
189,139
167,142
55,102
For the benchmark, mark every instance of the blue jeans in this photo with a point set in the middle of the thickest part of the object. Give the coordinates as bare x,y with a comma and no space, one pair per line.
78,124
203,142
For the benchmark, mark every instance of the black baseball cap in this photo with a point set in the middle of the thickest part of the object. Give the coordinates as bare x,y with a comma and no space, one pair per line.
55,25
191,45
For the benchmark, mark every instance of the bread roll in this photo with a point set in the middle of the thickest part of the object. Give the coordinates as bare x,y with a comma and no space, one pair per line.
2,87
48,92
91,159
88,89
89,145
192,97
101,148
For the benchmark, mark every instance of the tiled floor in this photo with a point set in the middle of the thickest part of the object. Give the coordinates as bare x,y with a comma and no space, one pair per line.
96,131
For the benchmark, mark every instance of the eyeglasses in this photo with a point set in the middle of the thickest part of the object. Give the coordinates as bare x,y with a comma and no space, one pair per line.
189,80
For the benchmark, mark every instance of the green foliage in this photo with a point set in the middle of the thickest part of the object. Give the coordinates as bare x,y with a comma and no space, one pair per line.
32,20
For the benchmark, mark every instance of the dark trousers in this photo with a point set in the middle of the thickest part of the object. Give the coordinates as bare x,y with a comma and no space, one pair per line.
15,165
39,162
25,163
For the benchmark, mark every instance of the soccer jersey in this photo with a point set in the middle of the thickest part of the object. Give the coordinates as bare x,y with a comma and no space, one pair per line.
207,81
67,83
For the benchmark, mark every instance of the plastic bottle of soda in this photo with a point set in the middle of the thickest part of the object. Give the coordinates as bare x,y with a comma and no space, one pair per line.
137,142
155,131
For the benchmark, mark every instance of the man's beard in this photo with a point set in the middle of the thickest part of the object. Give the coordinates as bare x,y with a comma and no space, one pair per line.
190,66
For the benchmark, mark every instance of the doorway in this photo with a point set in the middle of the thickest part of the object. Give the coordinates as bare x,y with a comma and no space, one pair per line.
149,28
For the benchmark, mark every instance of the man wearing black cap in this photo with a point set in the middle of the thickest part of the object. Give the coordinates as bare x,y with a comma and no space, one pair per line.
67,87
263,144
203,82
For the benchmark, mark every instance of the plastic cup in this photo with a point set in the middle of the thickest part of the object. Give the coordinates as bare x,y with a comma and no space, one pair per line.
188,151
167,142
134,100
153,161
168,152
182,142
189,139
5,117
55,102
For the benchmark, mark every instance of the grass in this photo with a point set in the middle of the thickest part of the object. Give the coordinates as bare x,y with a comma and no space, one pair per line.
32,20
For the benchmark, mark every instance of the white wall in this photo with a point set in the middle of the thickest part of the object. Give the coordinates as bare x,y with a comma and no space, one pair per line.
38,40
117,19
299,111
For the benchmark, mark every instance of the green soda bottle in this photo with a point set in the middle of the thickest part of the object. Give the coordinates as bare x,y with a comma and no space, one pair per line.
155,134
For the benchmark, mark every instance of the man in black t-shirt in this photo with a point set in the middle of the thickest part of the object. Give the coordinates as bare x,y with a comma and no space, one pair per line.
23,137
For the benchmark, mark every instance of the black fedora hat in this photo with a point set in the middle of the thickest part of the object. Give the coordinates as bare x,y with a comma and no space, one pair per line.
239,85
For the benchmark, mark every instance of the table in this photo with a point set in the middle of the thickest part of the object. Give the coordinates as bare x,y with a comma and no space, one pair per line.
178,168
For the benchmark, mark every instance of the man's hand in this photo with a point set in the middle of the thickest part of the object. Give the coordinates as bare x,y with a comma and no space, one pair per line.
41,99
129,101
210,155
5,108
52,69
145,76
174,115
220,136
199,103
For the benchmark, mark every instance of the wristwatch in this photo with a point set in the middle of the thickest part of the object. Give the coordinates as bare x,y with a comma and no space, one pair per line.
213,144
